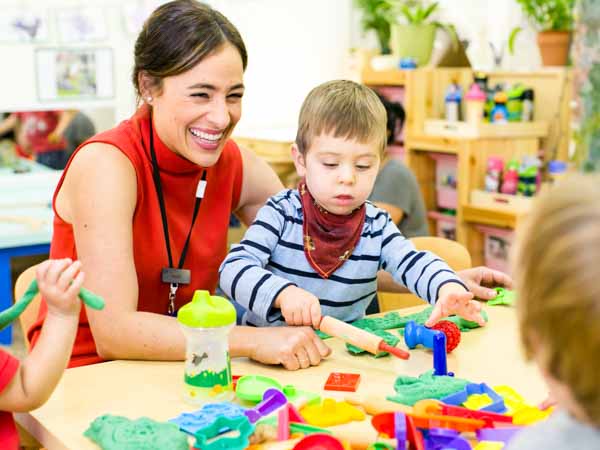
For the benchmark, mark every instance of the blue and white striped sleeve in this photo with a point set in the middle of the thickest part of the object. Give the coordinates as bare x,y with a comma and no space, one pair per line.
243,276
422,272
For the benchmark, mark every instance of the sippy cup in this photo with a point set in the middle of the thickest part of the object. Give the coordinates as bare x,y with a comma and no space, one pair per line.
206,322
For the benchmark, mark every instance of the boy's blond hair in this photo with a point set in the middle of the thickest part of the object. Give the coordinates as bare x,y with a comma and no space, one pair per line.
558,281
343,109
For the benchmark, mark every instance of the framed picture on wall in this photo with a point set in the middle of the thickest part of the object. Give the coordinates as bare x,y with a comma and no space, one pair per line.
82,24
74,74
23,25
136,13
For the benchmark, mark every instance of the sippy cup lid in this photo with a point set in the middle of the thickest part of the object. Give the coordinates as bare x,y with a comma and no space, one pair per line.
206,311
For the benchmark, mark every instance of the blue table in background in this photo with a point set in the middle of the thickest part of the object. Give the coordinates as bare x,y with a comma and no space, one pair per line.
25,223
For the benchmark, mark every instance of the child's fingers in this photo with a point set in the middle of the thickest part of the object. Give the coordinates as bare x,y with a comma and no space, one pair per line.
75,287
472,311
42,269
67,275
306,317
315,315
436,314
56,269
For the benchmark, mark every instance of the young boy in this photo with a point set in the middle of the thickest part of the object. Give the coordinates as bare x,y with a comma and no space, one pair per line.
27,386
317,249
559,311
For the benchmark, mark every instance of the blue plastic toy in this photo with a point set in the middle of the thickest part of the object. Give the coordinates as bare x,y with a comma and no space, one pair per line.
192,422
460,397
440,365
415,334
212,431
444,439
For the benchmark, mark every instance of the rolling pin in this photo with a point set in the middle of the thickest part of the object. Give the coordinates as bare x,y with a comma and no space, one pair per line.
358,337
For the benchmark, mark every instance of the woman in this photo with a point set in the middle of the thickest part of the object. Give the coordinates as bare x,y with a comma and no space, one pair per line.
128,215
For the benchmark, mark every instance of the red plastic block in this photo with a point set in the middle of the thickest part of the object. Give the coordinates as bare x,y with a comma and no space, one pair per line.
339,381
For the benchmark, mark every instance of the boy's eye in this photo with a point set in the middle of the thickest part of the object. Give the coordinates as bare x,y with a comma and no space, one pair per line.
235,95
362,167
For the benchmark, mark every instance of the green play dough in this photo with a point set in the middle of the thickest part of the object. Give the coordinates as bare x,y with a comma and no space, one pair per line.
322,335
503,297
410,390
120,433
387,337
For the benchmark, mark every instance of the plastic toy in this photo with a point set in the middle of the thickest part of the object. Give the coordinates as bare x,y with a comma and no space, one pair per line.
443,439
206,322
296,427
272,399
118,433
360,338
503,297
450,329
418,334
477,401
283,425
461,397
440,364
192,422
436,407
487,445
295,395
319,442
523,413
214,430
409,390
9,315
499,113
389,338
495,167
384,423
400,429
510,180
475,100
331,413
503,435
252,387
338,381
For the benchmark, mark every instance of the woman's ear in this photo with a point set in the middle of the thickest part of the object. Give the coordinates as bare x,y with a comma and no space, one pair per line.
299,161
147,86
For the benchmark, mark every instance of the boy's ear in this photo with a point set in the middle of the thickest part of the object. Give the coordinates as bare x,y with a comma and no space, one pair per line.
299,161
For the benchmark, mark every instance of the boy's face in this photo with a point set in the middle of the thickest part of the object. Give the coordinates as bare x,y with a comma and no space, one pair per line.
339,173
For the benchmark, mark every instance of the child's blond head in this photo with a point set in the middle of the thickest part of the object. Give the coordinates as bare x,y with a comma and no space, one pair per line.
558,281
342,109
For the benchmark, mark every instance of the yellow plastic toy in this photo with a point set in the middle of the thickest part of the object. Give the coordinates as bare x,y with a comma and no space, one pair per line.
477,401
522,413
489,445
331,413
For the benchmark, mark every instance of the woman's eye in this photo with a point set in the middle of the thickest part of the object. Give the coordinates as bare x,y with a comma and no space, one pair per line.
200,94
330,164
235,95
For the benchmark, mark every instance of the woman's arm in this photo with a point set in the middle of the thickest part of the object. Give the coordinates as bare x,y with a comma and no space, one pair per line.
259,183
98,197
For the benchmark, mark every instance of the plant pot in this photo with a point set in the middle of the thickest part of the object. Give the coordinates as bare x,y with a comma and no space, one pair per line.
413,41
554,47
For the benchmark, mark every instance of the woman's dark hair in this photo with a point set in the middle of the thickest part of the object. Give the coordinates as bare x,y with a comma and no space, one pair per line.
177,36
395,118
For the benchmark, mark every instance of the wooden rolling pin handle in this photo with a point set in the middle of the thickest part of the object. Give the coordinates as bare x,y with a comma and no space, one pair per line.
397,352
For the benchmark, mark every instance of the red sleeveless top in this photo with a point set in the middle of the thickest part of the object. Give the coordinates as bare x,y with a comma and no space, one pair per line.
179,177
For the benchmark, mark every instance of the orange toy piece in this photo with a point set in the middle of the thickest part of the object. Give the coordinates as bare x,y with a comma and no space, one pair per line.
454,423
331,413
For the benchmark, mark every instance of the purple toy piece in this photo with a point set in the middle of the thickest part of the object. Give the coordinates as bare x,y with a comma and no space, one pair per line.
400,430
444,439
272,399
497,434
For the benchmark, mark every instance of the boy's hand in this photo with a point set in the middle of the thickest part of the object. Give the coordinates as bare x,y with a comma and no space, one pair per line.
454,299
299,307
59,282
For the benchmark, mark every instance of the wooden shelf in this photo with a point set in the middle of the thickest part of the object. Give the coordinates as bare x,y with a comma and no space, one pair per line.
492,216
394,77
464,130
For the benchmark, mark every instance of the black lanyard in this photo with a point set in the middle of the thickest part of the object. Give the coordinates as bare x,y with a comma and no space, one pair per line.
174,276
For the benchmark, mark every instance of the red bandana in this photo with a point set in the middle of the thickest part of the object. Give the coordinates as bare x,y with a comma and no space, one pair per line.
329,239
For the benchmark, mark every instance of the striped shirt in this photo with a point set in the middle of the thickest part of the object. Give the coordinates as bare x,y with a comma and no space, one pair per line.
271,258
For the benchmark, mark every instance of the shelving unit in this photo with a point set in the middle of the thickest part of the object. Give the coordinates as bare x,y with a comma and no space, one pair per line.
426,133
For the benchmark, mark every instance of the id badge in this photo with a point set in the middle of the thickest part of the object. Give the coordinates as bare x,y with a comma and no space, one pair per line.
171,275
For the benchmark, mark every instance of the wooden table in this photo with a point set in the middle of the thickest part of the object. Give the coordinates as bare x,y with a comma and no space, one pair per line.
153,389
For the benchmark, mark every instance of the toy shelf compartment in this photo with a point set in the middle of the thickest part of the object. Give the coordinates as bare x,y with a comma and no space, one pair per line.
465,130
517,204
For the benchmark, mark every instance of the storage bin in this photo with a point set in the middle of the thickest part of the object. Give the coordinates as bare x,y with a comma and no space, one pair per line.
445,224
445,180
497,247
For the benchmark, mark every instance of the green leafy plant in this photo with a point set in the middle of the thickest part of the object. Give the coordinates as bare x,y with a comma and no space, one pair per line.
418,12
377,15
546,15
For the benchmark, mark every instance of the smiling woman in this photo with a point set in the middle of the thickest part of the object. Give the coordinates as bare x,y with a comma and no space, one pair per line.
145,206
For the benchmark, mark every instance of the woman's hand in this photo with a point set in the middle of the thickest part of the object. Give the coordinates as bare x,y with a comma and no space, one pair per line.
480,279
293,347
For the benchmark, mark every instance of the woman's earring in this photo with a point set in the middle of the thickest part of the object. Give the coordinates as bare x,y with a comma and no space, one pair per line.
149,99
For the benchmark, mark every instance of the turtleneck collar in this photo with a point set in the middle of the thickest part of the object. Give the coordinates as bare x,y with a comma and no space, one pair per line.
168,160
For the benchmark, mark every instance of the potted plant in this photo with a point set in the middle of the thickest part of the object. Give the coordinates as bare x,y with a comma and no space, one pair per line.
415,38
377,15
554,20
